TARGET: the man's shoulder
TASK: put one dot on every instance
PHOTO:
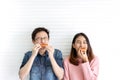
(57, 51)
(28, 53)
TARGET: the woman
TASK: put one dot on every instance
(81, 64)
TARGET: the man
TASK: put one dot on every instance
(43, 62)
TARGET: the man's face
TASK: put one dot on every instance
(41, 38)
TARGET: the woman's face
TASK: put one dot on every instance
(80, 43)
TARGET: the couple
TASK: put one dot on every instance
(46, 63)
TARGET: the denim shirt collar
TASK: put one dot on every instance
(45, 54)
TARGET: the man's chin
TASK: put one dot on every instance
(42, 49)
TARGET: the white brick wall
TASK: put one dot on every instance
(64, 18)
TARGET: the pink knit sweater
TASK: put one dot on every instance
(84, 71)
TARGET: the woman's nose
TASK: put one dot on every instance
(81, 44)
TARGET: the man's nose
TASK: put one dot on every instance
(42, 40)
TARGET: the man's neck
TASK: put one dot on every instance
(42, 52)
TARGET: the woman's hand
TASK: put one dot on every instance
(83, 55)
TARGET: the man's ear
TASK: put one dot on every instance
(33, 41)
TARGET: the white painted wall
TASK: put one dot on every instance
(64, 18)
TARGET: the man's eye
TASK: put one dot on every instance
(37, 39)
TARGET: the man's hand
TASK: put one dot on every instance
(50, 50)
(35, 49)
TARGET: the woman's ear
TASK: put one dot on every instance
(73, 45)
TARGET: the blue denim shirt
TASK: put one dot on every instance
(42, 68)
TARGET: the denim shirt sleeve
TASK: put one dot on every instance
(26, 58)
(58, 57)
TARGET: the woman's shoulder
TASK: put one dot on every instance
(66, 59)
(95, 59)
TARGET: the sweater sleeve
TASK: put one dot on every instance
(66, 72)
(90, 71)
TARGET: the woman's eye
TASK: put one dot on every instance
(85, 42)
(78, 42)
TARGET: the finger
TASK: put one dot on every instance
(36, 47)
